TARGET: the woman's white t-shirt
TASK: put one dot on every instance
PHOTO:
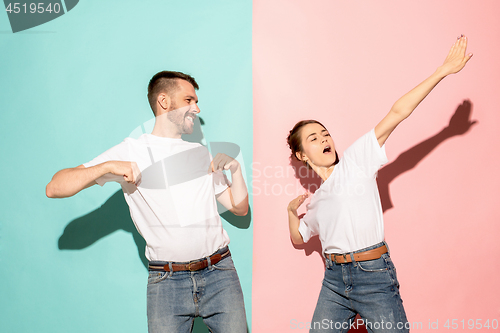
(346, 211)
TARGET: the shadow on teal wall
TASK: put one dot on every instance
(112, 216)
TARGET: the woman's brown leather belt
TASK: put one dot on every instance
(359, 256)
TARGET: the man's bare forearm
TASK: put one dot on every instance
(239, 193)
(69, 182)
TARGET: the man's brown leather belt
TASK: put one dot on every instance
(193, 265)
(360, 256)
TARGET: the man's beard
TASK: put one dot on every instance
(178, 118)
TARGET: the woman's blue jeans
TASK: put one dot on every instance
(214, 294)
(368, 288)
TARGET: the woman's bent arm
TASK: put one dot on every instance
(293, 218)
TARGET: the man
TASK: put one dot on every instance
(171, 186)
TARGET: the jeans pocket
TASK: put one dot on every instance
(157, 276)
(377, 265)
(225, 264)
(392, 270)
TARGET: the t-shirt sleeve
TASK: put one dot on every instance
(307, 228)
(305, 232)
(221, 182)
(366, 154)
(120, 152)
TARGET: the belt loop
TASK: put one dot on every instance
(388, 250)
(355, 264)
(170, 269)
(328, 260)
(209, 262)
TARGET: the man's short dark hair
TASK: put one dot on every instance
(166, 82)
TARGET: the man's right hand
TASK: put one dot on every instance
(129, 170)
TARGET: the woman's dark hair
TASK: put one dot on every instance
(294, 138)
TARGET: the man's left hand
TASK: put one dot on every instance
(223, 162)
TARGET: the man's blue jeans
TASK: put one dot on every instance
(369, 288)
(214, 294)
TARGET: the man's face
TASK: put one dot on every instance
(184, 107)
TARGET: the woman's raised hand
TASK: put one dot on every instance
(457, 57)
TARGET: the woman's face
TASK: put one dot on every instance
(317, 146)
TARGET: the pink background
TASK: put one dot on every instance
(345, 63)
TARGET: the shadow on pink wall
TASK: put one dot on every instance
(460, 123)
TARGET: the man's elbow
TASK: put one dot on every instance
(241, 208)
(244, 212)
(49, 191)
(240, 211)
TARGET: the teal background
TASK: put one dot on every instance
(74, 87)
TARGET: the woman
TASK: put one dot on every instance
(346, 213)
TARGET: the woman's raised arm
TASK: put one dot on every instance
(454, 62)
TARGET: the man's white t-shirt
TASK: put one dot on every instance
(346, 211)
(174, 207)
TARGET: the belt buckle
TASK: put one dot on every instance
(189, 266)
